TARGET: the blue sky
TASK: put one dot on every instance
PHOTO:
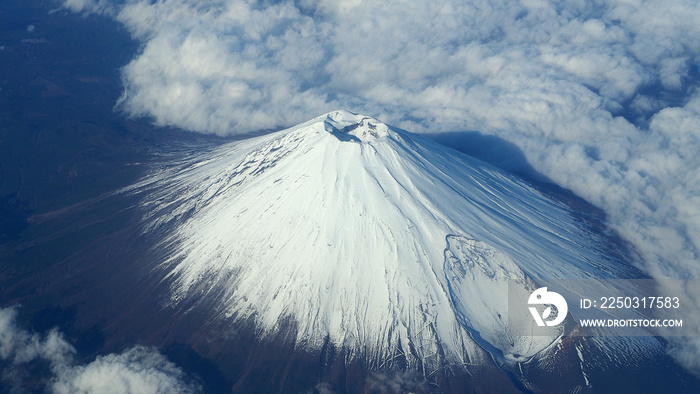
(601, 96)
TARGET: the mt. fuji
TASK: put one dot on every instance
(160, 231)
(349, 234)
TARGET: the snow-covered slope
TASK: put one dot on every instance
(366, 236)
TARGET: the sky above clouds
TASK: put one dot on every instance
(600, 95)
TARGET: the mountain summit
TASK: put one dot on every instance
(352, 233)
(364, 128)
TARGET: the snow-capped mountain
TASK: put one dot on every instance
(367, 237)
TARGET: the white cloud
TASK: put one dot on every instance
(229, 66)
(136, 370)
(18, 346)
(89, 6)
(554, 78)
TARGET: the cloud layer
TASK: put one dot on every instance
(601, 96)
(136, 370)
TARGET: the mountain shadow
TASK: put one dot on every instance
(490, 149)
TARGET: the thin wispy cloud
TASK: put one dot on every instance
(601, 96)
